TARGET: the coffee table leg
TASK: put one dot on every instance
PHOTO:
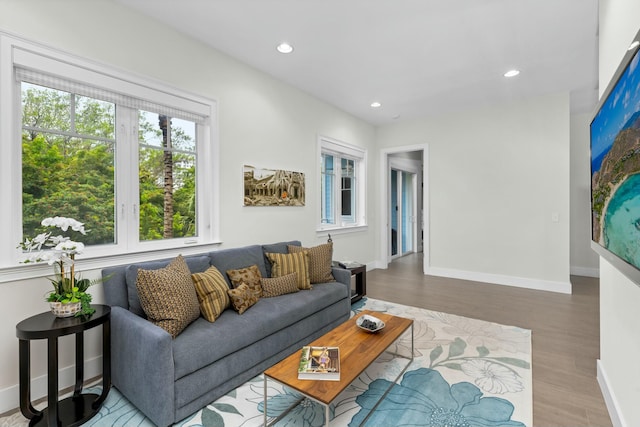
(264, 405)
(326, 415)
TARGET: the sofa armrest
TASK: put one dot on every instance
(142, 365)
(342, 275)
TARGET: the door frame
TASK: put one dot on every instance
(384, 231)
(402, 167)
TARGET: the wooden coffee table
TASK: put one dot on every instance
(358, 349)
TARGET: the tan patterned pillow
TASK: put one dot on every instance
(168, 296)
(250, 276)
(282, 264)
(287, 284)
(242, 298)
(319, 261)
(212, 293)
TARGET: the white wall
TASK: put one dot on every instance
(584, 261)
(618, 367)
(496, 176)
(262, 122)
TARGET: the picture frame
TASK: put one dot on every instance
(273, 187)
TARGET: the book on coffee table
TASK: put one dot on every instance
(319, 363)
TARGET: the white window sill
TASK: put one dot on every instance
(30, 271)
(337, 229)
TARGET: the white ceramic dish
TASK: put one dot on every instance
(379, 324)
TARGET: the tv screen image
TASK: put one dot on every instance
(615, 166)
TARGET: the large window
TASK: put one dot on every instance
(342, 185)
(132, 159)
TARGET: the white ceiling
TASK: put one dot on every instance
(416, 57)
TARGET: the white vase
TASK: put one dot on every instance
(65, 310)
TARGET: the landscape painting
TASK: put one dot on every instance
(615, 169)
(273, 187)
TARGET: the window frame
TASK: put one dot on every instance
(44, 60)
(342, 150)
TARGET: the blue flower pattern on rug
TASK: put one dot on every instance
(424, 398)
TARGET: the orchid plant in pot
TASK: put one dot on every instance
(69, 295)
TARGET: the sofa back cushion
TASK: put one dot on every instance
(237, 258)
(276, 248)
(196, 264)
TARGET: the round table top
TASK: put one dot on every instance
(46, 325)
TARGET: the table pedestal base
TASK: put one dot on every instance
(72, 411)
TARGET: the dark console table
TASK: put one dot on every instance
(78, 408)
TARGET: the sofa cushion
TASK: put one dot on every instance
(235, 258)
(276, 248)
(212, 293)
(272, 287)
(319, 261)
(168, 296)
(250, 276)
(242, 298)
(282, 264)
(196, 263)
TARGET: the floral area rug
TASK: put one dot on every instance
(465, 372)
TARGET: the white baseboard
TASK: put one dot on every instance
(497, 279)
(609, 397)
(585, 271)
(9, 397)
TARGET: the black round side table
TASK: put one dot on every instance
(78, 408)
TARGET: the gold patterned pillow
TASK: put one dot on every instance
(272, 287)
(250, 276)
(242, 298)
(319, 261)
(212, 293)
(168, 296)
(282, 264)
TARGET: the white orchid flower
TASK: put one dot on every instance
(64, 224)
(70, 247)
(56, 240)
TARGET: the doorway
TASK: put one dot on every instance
(404, 203)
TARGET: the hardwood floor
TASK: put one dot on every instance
(565, 332)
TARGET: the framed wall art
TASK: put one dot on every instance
(273, 187)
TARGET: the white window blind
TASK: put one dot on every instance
(67, 77)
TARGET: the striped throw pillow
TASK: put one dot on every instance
(283, 264)
(320, 256)
(212, 293)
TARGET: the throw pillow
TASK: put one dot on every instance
(319, 261)
(212, 293)
(283, 264)
(242, 298)
(168, 296)
(250, 276)
(272, 287)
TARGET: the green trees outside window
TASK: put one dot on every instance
(69, 167)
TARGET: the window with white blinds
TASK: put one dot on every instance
(134, 159)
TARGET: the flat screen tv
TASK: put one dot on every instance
(615, 169)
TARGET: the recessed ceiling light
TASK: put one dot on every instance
(512, 73)
(376, 104)
(285, 48)
(634, 45)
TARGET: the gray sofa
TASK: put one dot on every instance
(169, 379)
